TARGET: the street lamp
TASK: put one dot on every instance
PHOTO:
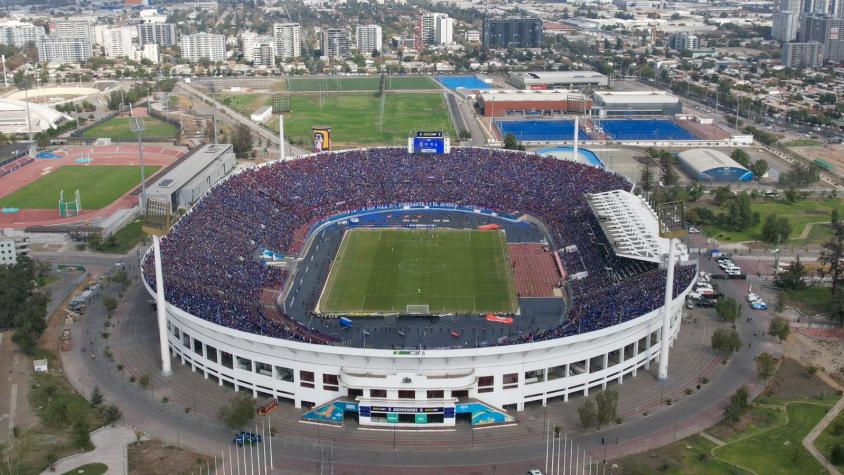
(136, 124)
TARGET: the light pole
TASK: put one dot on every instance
(136, 124)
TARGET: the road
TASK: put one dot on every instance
(300, 447)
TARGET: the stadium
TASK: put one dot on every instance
(400, 288)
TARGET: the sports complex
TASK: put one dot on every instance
(405, 289)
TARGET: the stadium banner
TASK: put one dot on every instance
(322, 138)
(429, 142)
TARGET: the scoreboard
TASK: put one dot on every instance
(429, 142)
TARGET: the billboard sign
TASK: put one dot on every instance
(321, 138)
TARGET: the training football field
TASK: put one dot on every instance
(450, 271)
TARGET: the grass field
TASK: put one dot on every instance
(98, 185)
(385, 270)
(831, 436)
(246, 104)
(799, 214)
(329, 83)
(355, 118)
(118, 129)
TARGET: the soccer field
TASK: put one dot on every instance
(330, 83)
(118, 129)
(355, 118)
(449, 271)
(98, 185)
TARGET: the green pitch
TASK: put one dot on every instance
(355, 119)
(98, 185)
(118, 129)
(331, 83)
(450, 271)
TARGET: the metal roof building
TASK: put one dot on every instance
(712, 165)
(541, 80)
(629, 103)
(194, 175)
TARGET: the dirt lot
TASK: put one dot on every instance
(792, 382)
(832, 153)
(151, 457)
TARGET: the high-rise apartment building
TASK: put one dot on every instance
(65, 50)
(288, 40)
(685, 41)
(434, 29)
(826, 30)
(512, 32)
(336, 43)
(18, 34)
(200, 46)
(802, 55)
(785, 26)
(368, 39)
(162, 34)
(117, 41)
(70, 28)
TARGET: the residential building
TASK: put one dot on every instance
(162, 34)
(444, 31)
(826, 30)
(117, 41)
(64, 50)
(685, 41)
(8, 255)
(73, 28)
(472, 36)
(368, 39)
(288, 40)
(16, 33)
(785, 24)
(151, 15)
(336, 43)
(512, 32)
(434, 29)
(148, 51)
(260, 50)
(802, 55)
(200, 46)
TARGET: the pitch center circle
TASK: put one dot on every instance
(421, 266)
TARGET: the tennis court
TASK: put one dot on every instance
(465, 82)
(644, 129)
(540, 130)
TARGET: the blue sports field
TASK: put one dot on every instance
(540, 130)
(584, 155)
(615, 129)
(650, 129)
(466, 82)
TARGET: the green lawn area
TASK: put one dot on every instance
(411, 82)
(118, 129)
(810, 300)
(354, 118)
(803, 143)
(798, 214)
(833, 434)
(687, 457)
(98, 185)
(779, 450)
(246, 104)
(88, 469)
(461, 271)
(123, 240)
(757, 419)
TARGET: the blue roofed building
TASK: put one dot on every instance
(705, 164)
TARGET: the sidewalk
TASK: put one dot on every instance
(809, 440)
(109, 448)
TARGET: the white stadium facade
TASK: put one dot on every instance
(13, 114)
(437, 382)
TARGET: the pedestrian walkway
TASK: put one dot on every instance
(809, 440)
(109, 449)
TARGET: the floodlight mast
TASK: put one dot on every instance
(136, 124)
(671, 226)
(157, 220)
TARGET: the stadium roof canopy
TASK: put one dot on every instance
(630, 224)
(706, 164)
(13, 117)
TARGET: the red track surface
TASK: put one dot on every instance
(108, 155)
(534, 269)
(704, 131)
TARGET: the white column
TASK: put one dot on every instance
(576, 137)
(665, 338)
(281, 136)
(166, 370)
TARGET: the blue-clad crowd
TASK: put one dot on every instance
(210, 257)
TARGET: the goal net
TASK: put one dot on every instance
(418, 310)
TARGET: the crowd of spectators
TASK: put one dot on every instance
(210, 257)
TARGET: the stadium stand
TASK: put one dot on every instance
(210, 257)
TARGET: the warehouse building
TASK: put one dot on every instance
(508, 103)
(193, 176)
(635, 103)
(545, 80)
(705, 164)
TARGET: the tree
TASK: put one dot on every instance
(239, 411)
(740, 215)
(110, 304)
(81, 436)
(96, 397)
(738, 405)
(606, 402)
(836, 455)
(759, 168)
(792, 277)
(832, 251)
(646, 177)
(741, 157)
(728, 309)
(726, 341)
(765, 366)
(779, 327)
(242, 141)
(722, 195)
(95, 240)
(112, 414)
(144, 381)
(511, 143)
(666, 168)
(775, 229)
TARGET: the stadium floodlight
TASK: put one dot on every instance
(157, 221)
(136, 124)
(671, 226)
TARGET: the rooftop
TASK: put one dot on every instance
(630, 224)
(189, 167)
(620, 97)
